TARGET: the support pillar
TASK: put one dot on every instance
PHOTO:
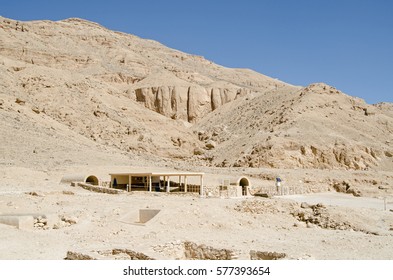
(168, 185)
(129, 183)
(185, 184)
(149, 178)
(201, 191)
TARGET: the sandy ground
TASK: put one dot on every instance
(361, 229)
(344, 200)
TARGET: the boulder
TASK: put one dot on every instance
(211, 144)
(198, 151)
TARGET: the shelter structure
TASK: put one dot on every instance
(243, 183)
(235, 187)
(158, 181)
(89, 179)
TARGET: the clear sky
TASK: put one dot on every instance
(347, 44)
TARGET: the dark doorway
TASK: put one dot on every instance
(244, 183)
(92, 180)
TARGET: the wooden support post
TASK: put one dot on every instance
(185, 183)
(168, 185)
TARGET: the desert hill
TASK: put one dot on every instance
(99, 83)
(138, 97)
(313, 127)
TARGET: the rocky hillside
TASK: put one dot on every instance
(74, 84)
(313, 127)
(85, 56)
(98, 83)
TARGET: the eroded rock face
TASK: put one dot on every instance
(295, 154)
(166, 100)
(186, 103)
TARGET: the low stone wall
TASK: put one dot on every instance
(180, 250)
(119, 254)
(98, 189)
(286, 190)
(77, 256)
(106, 184)
(223, 191)
(194, 251)
(186, 250)
(132, 254)
(259, 255)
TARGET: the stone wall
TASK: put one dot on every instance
(114, 254)
(186, 250)
(132, 254)
(223, 191)
(194, 251)
(259, 255)
(77, 256)
(98, 188)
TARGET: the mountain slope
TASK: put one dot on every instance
(121, 63)
(313, 127)
(98, 83)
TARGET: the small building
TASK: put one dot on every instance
(157, 181)
(242, 186)
(89, 179)
(234, 187)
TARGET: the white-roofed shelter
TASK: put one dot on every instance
(158, 181)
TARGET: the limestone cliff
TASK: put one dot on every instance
(189, 103)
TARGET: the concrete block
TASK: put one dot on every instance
(18, 221)
(146, 215)
(26, 222)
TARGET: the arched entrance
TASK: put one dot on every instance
(81, 178)
(93, 180)
(244, 183)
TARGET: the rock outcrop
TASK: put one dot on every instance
(172, 97)
(186, 103)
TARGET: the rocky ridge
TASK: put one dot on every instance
(120, 63)
(313, 127)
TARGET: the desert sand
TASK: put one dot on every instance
(76, 97)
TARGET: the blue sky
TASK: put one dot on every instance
(347, 44)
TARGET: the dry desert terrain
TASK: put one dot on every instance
(77, 98)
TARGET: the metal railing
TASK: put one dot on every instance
(283, 190)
